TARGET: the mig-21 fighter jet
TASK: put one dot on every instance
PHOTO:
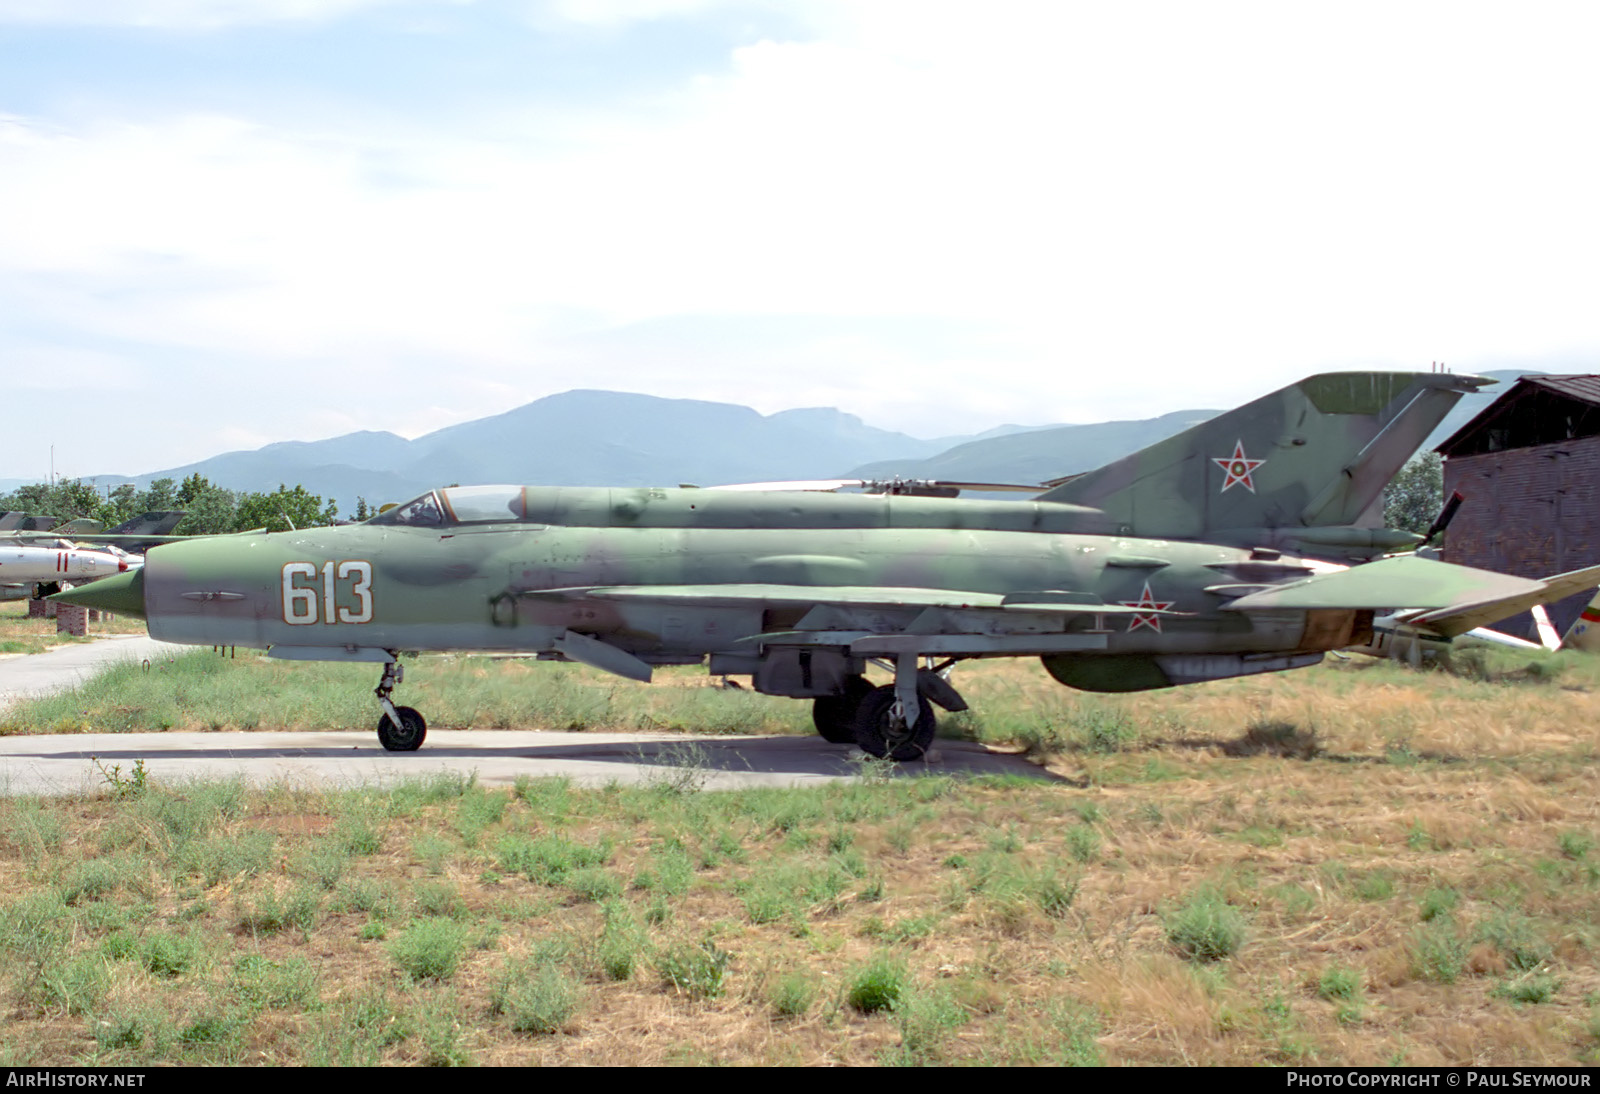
(1223, 551)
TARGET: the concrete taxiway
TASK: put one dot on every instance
(43, 673)
(79, 763)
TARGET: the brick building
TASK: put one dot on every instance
(1528, 467)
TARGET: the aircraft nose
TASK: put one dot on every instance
(121, 593)
(122, 565)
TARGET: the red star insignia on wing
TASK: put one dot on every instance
(1238, 466)
(1147, 601)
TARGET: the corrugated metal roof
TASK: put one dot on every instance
(1585, 387)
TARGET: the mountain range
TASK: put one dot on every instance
(592, 438)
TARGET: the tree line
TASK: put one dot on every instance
(1411, 502)
(211, 509)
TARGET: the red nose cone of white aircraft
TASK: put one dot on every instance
(122, 565)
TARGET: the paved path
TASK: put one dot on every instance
(63, 764)
(67, 764)
(42, 673)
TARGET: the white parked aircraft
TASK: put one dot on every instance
(23, 567)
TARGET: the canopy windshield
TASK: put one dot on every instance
(477, 504)
(420, 512)
(458, 505)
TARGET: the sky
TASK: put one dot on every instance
(225, 223)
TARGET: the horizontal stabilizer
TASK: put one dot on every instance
(1408, 582)
(1450, 622)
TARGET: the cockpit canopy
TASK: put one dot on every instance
(458, 505)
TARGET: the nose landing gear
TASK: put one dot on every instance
(400, 729)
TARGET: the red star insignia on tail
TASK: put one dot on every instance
(1238, 466)
(1146, 601)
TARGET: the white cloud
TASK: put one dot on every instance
(1150, 208)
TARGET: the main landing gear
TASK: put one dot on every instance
(400, 729)
(884, 728)
(895, 720)
(835, 715)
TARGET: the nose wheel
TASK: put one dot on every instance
(400, 729)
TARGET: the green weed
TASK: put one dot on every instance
(618, 950)
(1205, 928)
(1063, 1036)
(695, 969)
(1531, 987)
(792, 994)
(1339, 982)
(439, 898)
(224, 858)
(925, 1019)
(78, 985)
(1439, 903)
(271, 913)
(257, 982)
(593, 884)
(877, 985)
(1575, 845)
(131, 785)
(1517, 939)
(1103, 729)
(547, 859)
(429, 949)
(169, 955)
(1083, 842)
(1437, 952)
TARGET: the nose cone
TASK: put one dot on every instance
(122, 594)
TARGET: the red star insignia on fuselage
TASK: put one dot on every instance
(1147, 601)
(1238, 466)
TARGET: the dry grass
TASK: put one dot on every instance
(1412, 857)
(1330, 863)
(21, 635)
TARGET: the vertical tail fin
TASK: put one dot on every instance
(1312, 455)
(1585, 632)
(157, 523)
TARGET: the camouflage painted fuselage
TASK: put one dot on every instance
(1186, 561)
(519, 585)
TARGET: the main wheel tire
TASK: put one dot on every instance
(407, 736)
(879, 733)
(835, 715)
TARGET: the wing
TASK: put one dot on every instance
(880, 620)
(1438, 597)
(1453, 621)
